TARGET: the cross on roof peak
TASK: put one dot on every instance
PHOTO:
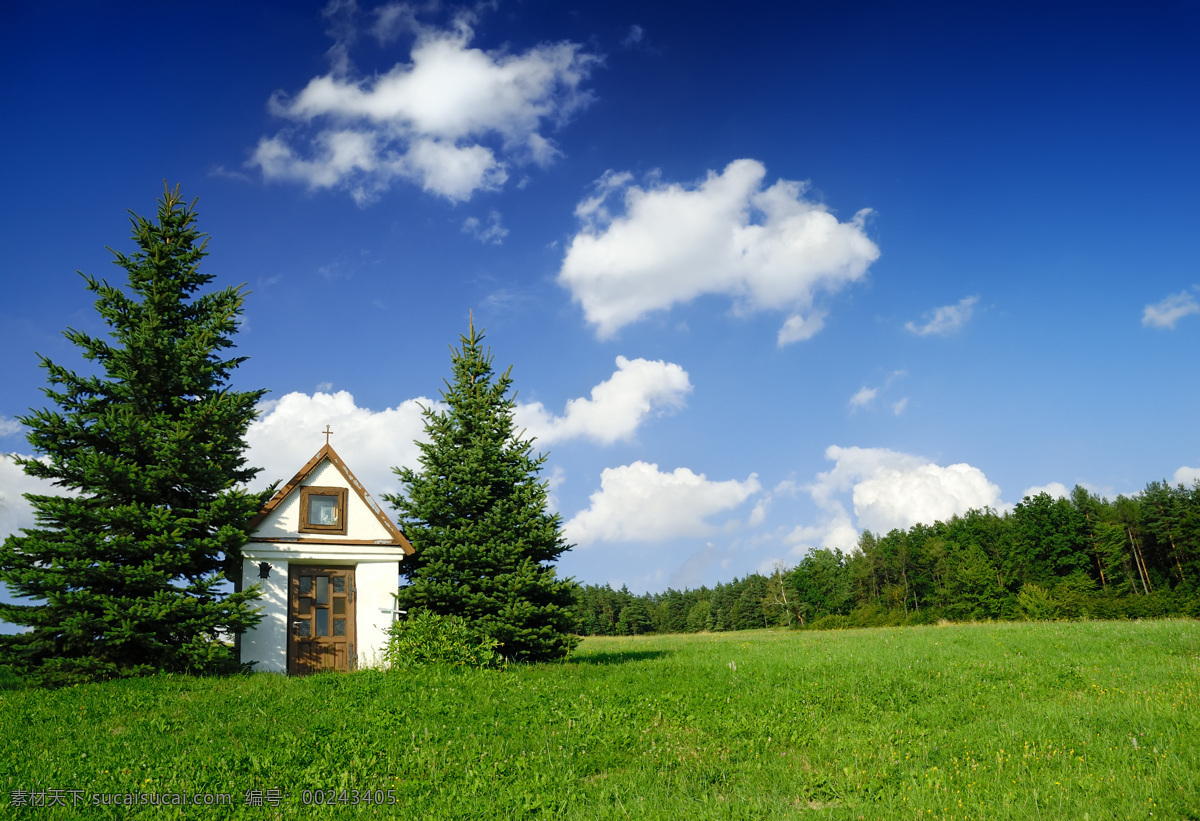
(327, 432)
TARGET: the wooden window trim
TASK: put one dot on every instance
(339, 492)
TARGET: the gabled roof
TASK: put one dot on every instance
(328, 453)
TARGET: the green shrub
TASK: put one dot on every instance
(875, 615)
(924, 616)
(9, 680)
(1036, 602)
(830, 622)
(1074, 594)
(426, 637)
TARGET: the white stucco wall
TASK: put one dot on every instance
(376, 577)
(377, 583)
(266, 644)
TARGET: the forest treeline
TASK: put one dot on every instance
(1076, 557)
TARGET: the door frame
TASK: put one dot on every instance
(306, 651)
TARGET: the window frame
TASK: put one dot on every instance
(312, 490)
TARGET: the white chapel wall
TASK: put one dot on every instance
(377, 583)
(266, 644)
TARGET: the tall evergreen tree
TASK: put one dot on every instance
(476, 514)
(125, 571)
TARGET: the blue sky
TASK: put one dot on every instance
(766, 276)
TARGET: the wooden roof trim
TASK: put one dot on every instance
(327, 452)
(293, 540)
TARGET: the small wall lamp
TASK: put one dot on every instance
(264, 570)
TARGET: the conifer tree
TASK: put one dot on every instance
(476, 514)
(124, 572)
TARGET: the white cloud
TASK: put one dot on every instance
(864, 397)
(1166, 313)
(617, 407)
(945, 320)
(759, 514)
(452, 171)
(797, 328)
(8, 427)
(1186, 476)
(493, 232)
(451, 120)
(766, 248)
(639, 503)
(15, 512)
(788, 487)
(1057, 490)
(554, 479)
(890, 489)
(371, 442)
(927, 493)
(835, 532)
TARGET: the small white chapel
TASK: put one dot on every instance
(328, 561)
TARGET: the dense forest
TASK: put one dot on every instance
(1076, 557)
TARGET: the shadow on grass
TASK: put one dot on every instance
(620, 658)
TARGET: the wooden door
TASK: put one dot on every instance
(322, 626)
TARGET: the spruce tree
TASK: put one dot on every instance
(124, 572)
(476, 514)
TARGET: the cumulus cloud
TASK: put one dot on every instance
(902, 497)
(1166, 313)
(288, 433)
(452, 119)
(887, 489)
(638, 389)
(836, 532)
(1056, 490)
(766, 248)
(493, 233)
(945, 320)
(899, 406)
(15, 512)
(1186, 476)
(640, 503)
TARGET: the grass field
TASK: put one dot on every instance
(1053, 720)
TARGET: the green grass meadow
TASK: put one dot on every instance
(1084, 720)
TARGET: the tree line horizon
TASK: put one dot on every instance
(1080, 556)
